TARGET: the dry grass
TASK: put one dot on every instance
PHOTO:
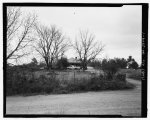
(66, 75)
(131, 73)
(62, 82)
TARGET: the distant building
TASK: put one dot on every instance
(130, 61)
(74, 61)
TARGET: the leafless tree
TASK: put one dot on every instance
(50, 44)
(87, 48)
(19, 31)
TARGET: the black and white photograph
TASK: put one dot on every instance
(75, 59)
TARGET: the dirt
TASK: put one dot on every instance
(119, 102)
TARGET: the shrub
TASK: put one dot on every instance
(19, 83)
(75, 85)
(62, 63)
(102, 83)
(120, 77)
(110, 68)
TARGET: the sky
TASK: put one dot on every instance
(118, 28)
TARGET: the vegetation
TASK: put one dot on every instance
(87, 48)
(23, 82)
(51, 44)
(131, 73)
(132, 64)
(121, 63)
(19, 31)
(110, 67)
(97, 64)
(62, 63)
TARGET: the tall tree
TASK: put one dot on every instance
(87, 48)
(19, 30)
(51, 43)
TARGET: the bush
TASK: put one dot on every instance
(96, 83)
(110, 68)
(20, 83)
(62, 63)
(102, 83)
(120, 77)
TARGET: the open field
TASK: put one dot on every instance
(122, 102)
(79, 74)
(131, 73)
(68, 74)
(63, 81)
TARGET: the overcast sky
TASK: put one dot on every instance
(119, 28)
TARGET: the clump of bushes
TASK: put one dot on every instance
(20, 83)
(102, 83)
(62, 63)
(110, 67)
(96, 83)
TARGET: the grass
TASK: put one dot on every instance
(65, 74)
(131, 73)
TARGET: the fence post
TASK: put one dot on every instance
(74, 76)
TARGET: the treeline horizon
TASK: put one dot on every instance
(63, 63)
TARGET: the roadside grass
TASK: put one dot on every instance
(27, 83)
(131, 73)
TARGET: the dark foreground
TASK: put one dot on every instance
(119, 102)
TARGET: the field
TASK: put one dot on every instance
(131, 73)
(79, 74)
(64, 81)
(68, 74)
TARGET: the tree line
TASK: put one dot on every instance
(116, 63)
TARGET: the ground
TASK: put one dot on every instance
(117, 102)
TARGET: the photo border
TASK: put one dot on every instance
(144, 34)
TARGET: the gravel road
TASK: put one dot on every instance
(117, 102)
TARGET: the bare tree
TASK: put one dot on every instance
(51, 44)
(19, 31)
(87, 48)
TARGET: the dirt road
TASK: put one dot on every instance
(122, 102)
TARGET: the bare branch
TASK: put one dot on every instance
(86, 48)
(50, 43)
(18, 31)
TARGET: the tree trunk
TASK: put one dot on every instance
(84, 65)
(47, 63)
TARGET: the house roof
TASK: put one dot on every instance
(73, 60)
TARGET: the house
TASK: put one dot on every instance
(74, 63)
